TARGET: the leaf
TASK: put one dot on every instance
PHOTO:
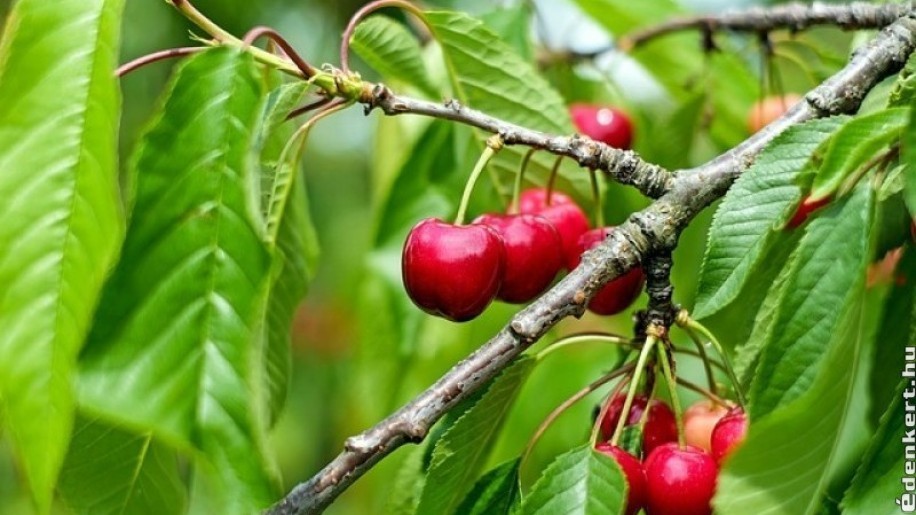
(909, 161)
(828, 266)
(496, 493)
(110, 470)
(174, 344)
(579, 482)
(61, 212)
(854, 145)
(389, 48)
(489, 76)
(408, 484)
(757, 206)
(296, 251)
(904, 89)
(512, 25)
(878, 481)
(464, 447)
(782, 466)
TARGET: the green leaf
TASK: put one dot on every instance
(757, 206)
(828, 266)
(62, 217)
(389, 48)
(854, 145)
(496, 493)
(296, 253)
(904, 89)
(579, 482)
(783, 465)
(513, 25)
(488, 75)
(909, 161)
(408, 483)
(877, 482)
(110, 470)
(464, 447)
(174, 347)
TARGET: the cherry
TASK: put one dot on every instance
(680, 481)
(699, 420)
(806, 207)
(768, 109)
(634, 473)
(729, 434)
(605, 124)
(533, 254)
(450, 270)
(618, 294)
(565, 215)
(660, 425)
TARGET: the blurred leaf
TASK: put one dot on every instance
(389, 48)
(110, 470)
(757, 206)
(783, 464)
(513, 25)
(464, 447)
(489, 76)
(904, 89)
(408, 484)
(62, 218)
(296, 253)
(674, 137)
(877, 483)
(496, 493)
(828, 269)
(179, 315)
(853, 145)
(579, 482)
(909, 160)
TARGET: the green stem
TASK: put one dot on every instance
(704, 392)
(693, 325)
(672, 391)
(517, 187)
(488, 152)
(596, 426)
(596, 194)
(576, 339)
(551, 181)
(707, 366)
(634, 384)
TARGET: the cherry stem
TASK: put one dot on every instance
(692, 325)
(551, 181)
(645, 413)
(576, 339)
(494, 144)
(517, 187)
(691, 352)
(365, 11)
(321, 102)
(672, 392)
(576, 397)
(307, 70)
(634, 385)
(707, 366)
(156, 57)
(596, 427)
(596, 194)
(704, 392)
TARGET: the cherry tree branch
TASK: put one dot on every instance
(652, 230)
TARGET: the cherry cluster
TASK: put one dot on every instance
(455, 271)
(673, 478)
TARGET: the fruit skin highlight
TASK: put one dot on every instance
(618, 294)
(533, 254)
(452, 271)
(606, 124)
(634, 473)
(680, 481)
(563, 213)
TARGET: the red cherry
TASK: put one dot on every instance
(632, 470)
(605, 124)
(807, 207)
(660, 428)
(450, 270)
(729, 434)
(618, 294)
(699, 421)
(565, 215)
(533, 254)
(768, 109)
(680, 481)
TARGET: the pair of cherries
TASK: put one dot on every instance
(673, 479)
(455, 271)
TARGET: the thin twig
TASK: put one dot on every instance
(171, 53)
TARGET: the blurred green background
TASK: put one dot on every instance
(360, 350)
